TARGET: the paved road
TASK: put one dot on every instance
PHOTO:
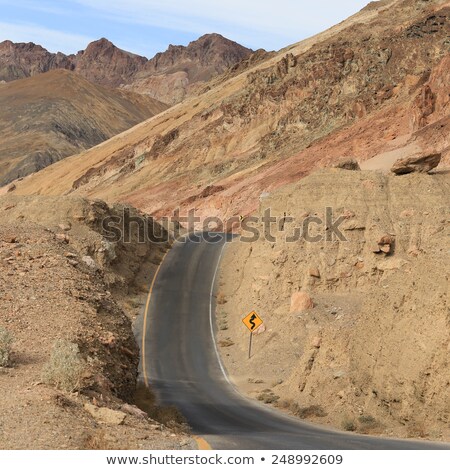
(181, 364)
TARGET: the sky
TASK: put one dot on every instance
(146, 27)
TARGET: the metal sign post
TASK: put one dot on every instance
(252, 321)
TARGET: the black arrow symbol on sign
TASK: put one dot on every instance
(252, 321)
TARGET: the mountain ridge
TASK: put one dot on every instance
(105, 64)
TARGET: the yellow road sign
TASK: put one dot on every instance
(252, 321)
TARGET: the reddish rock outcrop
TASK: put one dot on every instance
(416, 164)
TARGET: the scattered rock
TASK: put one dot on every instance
(384, 244)
(89, 262)
(385, 248)
(65, 226)
(386, 240)
(62, 237)
(314, 272)
(301, 301)
(105, 415)
(337, 374)
(316, 342)
(134, 411)
(416, 164)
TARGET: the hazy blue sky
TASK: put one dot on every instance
(149, 26)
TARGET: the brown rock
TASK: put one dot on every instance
(105, 415)
(375, 248)
(134, 411)
(314, 272)
(89, 261)
(65, 227)
(385, 248)
(301, 301)
(386, 240)
(416, 164)
(62, 237)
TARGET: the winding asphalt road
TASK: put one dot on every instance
(180, 361)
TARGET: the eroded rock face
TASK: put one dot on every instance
(416, 164)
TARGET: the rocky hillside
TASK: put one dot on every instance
(371, 88)
(356, 330)
(167, 77)
(68, 298)
(52, 115)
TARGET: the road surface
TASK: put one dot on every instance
(181, 364)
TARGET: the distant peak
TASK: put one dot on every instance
(100, 43)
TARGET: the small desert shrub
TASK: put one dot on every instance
(5, 347)
(313, 411)
(416, 430)
(368, 423)
(267, 396)
(65, 366)
(169, 416)
(348, 424)
(97, 441)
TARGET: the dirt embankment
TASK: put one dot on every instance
(67, 299)
(356, 332)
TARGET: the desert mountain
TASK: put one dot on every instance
(170, 75)
(105, 64)
(166, 77)
(371, 88)
(52, 115)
